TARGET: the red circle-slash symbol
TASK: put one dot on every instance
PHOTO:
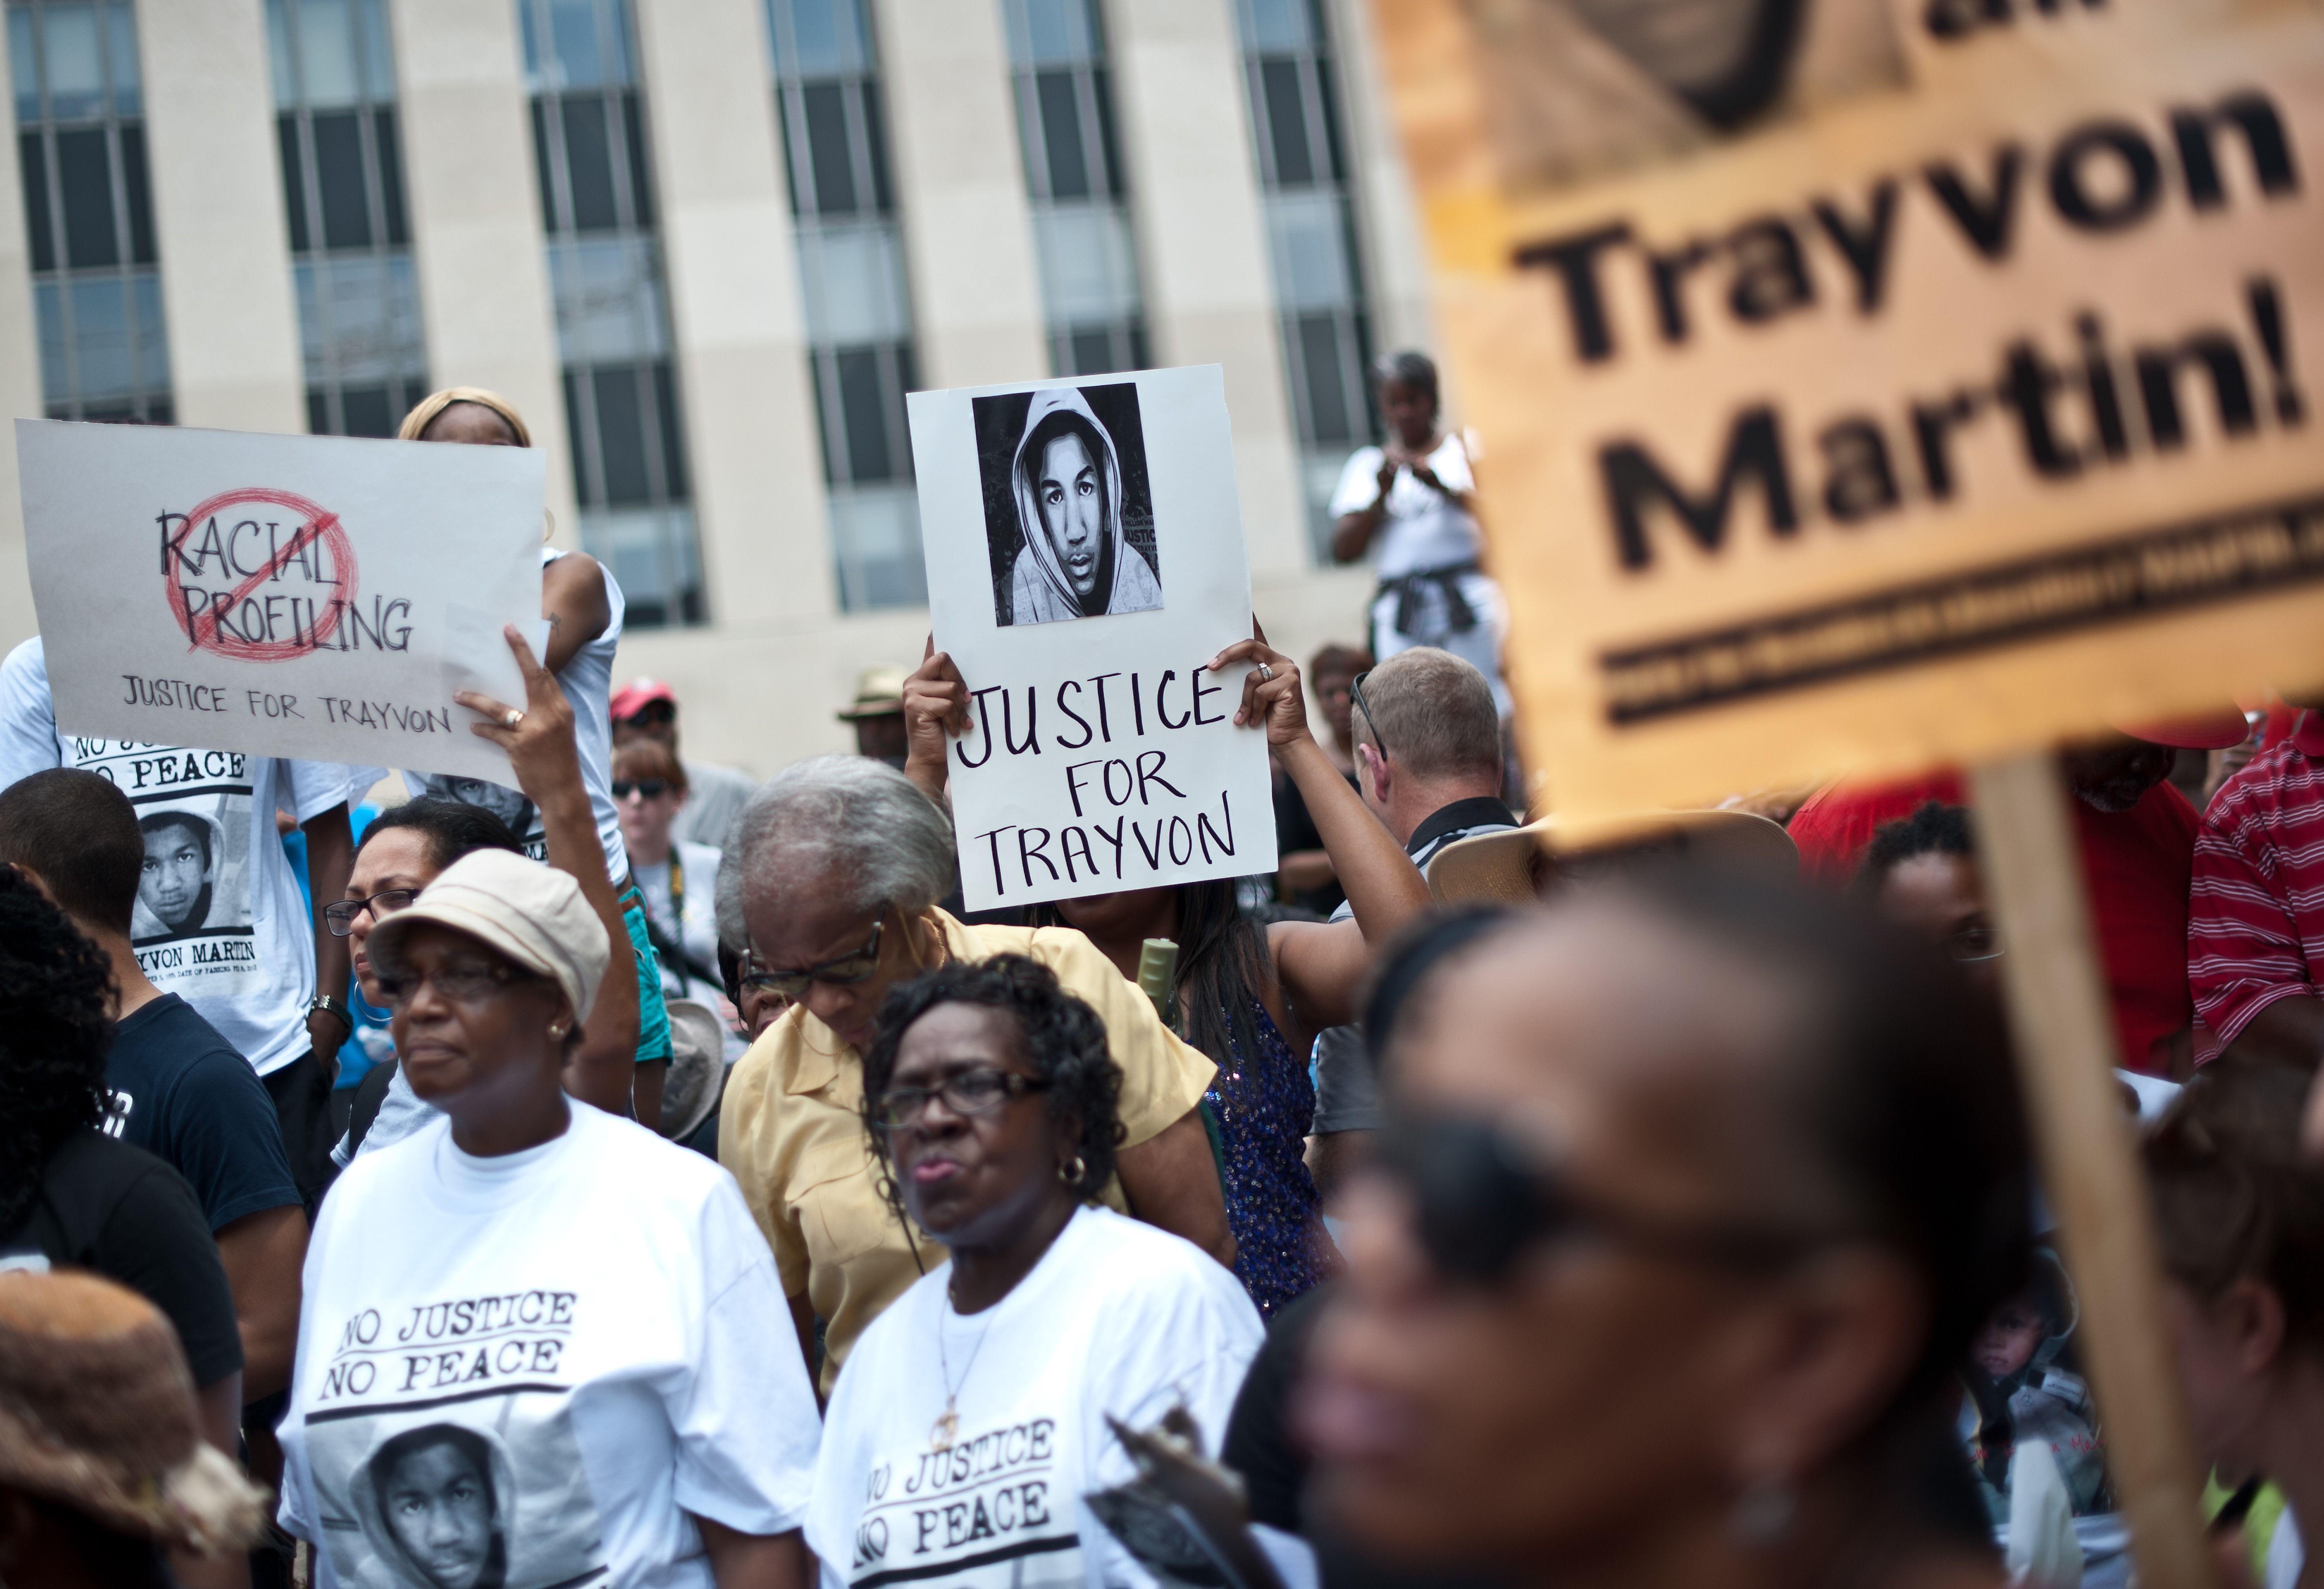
(319, 532)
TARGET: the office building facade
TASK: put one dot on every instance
(706, 246)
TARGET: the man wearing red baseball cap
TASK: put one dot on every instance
(2137, 840)
(647, 708)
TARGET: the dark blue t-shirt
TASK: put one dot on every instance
(184, 1095)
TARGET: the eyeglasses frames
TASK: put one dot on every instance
(341, 915)
(1356, 693)
(652, 789)
(840, 971)
(971, 1093)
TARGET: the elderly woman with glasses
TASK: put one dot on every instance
(841, 861)
(971, 1422)
(537, 1345)
(1698, 1193)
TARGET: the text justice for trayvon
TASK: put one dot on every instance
(2091, 407)
(1122, 786)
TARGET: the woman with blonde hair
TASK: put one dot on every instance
(583, 607)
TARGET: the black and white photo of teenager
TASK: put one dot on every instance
(1062, 530)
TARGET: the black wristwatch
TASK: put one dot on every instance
(336, 1006)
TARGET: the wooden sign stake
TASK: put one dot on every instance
(2065, 1043)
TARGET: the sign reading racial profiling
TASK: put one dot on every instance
(1085, 559)
(1847, 412)
(309, 596)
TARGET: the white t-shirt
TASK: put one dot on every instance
(1118, 1318)
(529, 1369)
(1425, 528)
(587, 681)
(219, 920)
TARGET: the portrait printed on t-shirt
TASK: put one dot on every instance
(193, 814)
(1068, 509)
(481, 1493)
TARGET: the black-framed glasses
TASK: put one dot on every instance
(462, 983)
(970, 1093)
(1972, 945)
(1482, 1200)
(1356, 694)
(340, 915)
(840, 971)
(652, 789)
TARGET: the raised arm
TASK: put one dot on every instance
(541, 749)
(573, 600)
(1351, 534)
(330, 857)
(1322, 965)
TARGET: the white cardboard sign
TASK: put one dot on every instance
(1085, 559)
(312, 596)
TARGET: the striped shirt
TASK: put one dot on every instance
(2256, 920)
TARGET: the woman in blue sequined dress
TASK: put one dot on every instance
(1251, 997)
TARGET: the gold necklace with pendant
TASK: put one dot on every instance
(946, 1429)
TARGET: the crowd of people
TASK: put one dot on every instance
(645, 1175)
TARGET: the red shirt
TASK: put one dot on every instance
(2137, 864)
(2257, 925)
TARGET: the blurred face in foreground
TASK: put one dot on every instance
(1609, 1396)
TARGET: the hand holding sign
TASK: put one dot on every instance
(1086, 573)
(1271, 695)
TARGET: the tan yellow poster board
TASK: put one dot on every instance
(1936, 415)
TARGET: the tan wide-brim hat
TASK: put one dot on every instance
(878, 693)
(1497, 868)
(697, 1067)
(97, 1414)
(533, 914)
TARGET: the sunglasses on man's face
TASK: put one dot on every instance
(1482, 1200)
(652, 788)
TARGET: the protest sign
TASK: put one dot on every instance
(1918, 382)
(312, 596)
(1928, 426)
(1085, 559)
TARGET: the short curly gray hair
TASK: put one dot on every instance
(851, 818)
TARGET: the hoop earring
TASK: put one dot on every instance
(1073, 1170)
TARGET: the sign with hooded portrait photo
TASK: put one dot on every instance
(1085, 559)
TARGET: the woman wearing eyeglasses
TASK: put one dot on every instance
(407, 846)
(970, 1422)
(678, 878)
(841, 862)
(1253, 998)
(536, 1343)
(1696, 1193)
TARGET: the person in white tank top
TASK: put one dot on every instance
(584, 609)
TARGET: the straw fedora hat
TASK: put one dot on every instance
(1499, 868)
(697, 1067)
(97, 1414)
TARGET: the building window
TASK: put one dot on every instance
(859, 318)
(88, 216)
(1074, 177)
(343, 192)
(1319, 287)
(613, 321)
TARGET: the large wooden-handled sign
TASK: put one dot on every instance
(287, 595)
(1932, 425)
(1874, 383)
(1086, 560)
